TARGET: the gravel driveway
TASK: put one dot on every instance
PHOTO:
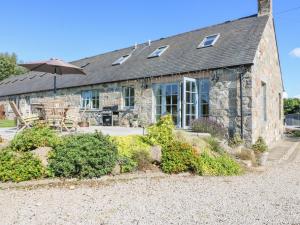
(271, 197)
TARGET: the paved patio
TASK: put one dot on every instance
(9, 133)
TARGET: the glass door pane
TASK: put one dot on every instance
(190, 101)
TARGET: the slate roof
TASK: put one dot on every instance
(237, 45)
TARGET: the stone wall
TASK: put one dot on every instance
(267, 69)
(224, 100)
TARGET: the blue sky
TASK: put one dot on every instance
(71, 30)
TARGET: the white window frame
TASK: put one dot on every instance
(154, 53)
(205, 39)
(90, 98)
(163, 104)
(121, 60)
(130, 98)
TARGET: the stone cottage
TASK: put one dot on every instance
(229, 72)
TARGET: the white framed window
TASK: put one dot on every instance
(209, 41)
(167, 101)
(128, 95)
(90, 99)
(159, 51)
(204, 88)
(121, 60)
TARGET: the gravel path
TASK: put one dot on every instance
(271, 197)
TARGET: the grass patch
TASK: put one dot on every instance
(7, 123)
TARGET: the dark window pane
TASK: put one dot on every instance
(188, 86)
(126, 92)
(193, 87)
(188, 109)
(193, 109)
(131, 91)
(174, 119)
(168, 109)
(126, 102)
(168, 100)
(174, 99)
(131, 101)
(188, 121)
(205, 110)
(174, 109)
(188, 97)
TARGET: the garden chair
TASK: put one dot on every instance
(23, 122)
(69, 123)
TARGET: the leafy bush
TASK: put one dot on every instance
(214, 145)
(134, 152)
(161, 133)
(143, 159)
(206, 125)
(236, 141)
(260, 146)
(19, 167)
(296, 133)
(37, 136)
(222, 165)
(86, 155)
(127, 145)
(127, 164)
(199, 143)
(178, 157)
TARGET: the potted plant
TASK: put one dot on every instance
(236, 142)
(261, 151)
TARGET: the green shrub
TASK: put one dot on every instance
(206, 125)
(127, 164)
(127, 145)
(235, 141)
(84, 156)
(260, 146)
(178, 157)
(214, 145)
(296, 133)
(143, 159)
(37, 136)
(199, 143)
(19, 167)
(222, 165)
(161, 133)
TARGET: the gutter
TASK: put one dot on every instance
(131, 79)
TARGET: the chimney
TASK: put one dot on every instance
(265, 7)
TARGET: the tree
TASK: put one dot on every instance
(291, 106)
(8, 66)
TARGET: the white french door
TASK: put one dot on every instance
(189, 101)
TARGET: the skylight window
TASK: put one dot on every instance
(121, 60)
(159, 51)
(209, 41)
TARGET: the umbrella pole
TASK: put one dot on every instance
(54, 82)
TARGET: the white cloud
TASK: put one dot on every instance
(295, 52)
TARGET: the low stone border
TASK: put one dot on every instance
(73, 183)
